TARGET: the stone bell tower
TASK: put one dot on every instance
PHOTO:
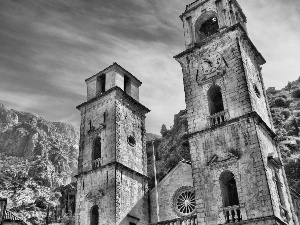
(112, 164)
(237, 170)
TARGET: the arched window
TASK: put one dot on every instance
(215, 101)
(206, 25)
(97, 148)
(210, 27)
(100, 85)
(95, 215)
(228, 189)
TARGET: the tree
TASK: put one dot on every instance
(163, 130)
(289, 86)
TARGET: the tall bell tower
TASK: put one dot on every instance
(112, 180)
(237, 171)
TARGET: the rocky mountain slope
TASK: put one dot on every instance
(171, 148)
(285, 110)
(36, 156)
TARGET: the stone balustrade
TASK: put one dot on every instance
(96, 163)
(234, 214)
(191, 220)
(218, 118)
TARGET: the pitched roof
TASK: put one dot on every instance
(115, 66)
(170, 171)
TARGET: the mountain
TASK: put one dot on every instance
(285, 109)
(169, 149)
(36, 156)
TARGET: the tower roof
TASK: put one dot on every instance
(117, 67)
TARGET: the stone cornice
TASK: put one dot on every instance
(252, 114)
(117, 165)
(208, 40)
(118, 89)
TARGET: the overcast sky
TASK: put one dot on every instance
(49, 47)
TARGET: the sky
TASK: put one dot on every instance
(49, 47)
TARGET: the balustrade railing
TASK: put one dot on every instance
(191, 220)
(233, 214)
(96, 163)
(218, 118)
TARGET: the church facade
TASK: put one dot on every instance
(235, 174)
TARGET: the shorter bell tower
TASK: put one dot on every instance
(112, 164)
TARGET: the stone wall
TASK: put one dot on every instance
(130, 121)
(238, 151)
(178, 177)
(131, 197)
(97, 187)
(101, 113)
(268, 147)
(233, 84)
(255, 81)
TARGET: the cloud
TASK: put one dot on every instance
(48, 49)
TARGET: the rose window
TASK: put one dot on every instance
(184, 201)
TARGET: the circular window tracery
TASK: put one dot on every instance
(184, 202)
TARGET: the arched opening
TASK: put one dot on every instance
(100, 86)
(215, 100)
(228, 189)
(210, 27)
(127, 85)
(97, 148)
(95, 215)
(206, 25)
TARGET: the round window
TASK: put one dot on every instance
(131, 140)
(184, 202)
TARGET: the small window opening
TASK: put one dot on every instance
(126, 84)
(95, 215)
(132, 223)
(279, 189)
(215, 100)
(91, 125)
(97, 148)
(257, 92)
(280, 194)
(104, 116)
(131, 141)
(210, 27)
(101, 84)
